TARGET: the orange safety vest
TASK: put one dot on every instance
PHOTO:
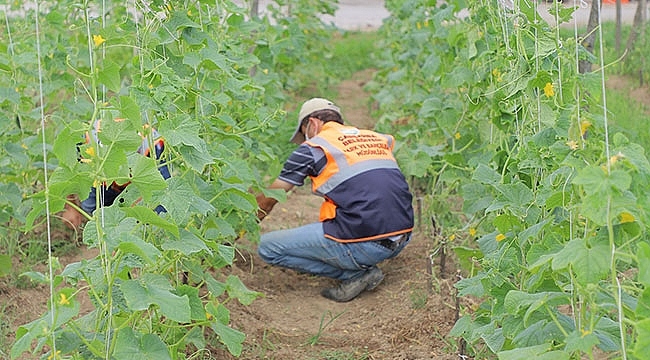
(366, 195)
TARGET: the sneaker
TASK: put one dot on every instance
(349, 289)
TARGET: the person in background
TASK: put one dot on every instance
(74, 219)
(367, 213)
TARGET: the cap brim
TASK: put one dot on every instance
(298, 137)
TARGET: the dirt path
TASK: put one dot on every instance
(407, 317)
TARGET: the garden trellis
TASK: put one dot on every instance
(506, 120)
(184, 69)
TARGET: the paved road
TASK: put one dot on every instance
(369, 14)
(581, 15)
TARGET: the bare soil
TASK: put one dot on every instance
(407, 317)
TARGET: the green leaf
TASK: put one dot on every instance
(154, 289)
(196, 156)
(129, 109)
(217, 288)
(233, 339)
(179, 20)
(579, 342)
(181, 201)
(464, 325)
(471, 286)
(145, 175)
(240, 200)
(182, 130)
(137, 246)
(642, 346)
(516, 194)
(516, 300)
(42, 327)
(506, 223)
(589, 264)
(122, 135)
(492, 335)
(187, 244)
(148, 216)
(237, 289)
(643, 261)
(596, 181)
(430, 107)
(486, 175)
(414, 164)
(533, 231)
(9, 94)
(131, 345)
(65, 143)
(467, 257)
(196, 305)
(538, 352)
(27, 333)
(643, 305)
(109, 75)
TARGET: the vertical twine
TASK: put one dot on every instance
(45, 176)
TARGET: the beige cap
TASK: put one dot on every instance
(310, 106)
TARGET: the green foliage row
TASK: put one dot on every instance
(552, 227)
(213, 81)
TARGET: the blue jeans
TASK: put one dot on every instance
(306, 249)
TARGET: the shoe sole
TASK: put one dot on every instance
(373, 284)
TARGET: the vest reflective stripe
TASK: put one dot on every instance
(377, 202)
(350, 151)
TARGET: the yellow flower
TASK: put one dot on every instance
(63, 299)
(56, 355)
(549, 90)
(573, 145)
(265, 71)
(98, 40)
(472, 232)
(626, 217)
(500, 237)
(417, 24)
(615, 158)
(426, 23)
(452, 237)
(584, 126)
(584, 332)
(457, 135)
(497, 74)
(90, 151)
